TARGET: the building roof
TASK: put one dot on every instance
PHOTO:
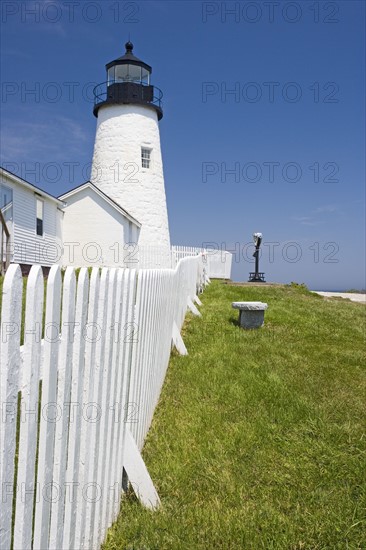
(30, 186)
(114, 204)
(60, 201)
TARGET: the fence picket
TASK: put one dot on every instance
(94, 428)
(63, 403)
(145, 359)
(128, 336)
(25, 487)
(104, 449)
(114, 404)
(77, 383)
(48, 408)
(140, 320)
(11, 313)
(89, 369)
(113, 411)
(92, 473)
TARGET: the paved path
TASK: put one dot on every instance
(361, 298)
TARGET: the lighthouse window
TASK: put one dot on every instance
(39, 223)
(145, 157)
(145, 76)
(111, 76)
(128, 73)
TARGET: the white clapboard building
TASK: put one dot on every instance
(33, 220)
(84, 227)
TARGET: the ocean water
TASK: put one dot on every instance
(337, 290)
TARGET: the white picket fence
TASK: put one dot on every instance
(92, 366)
(179, 252)
(148, 257)
(217, 262)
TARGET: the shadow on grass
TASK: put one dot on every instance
(234, 321)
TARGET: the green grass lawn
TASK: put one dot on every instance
(258, 440)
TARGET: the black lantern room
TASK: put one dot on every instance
(128, 82)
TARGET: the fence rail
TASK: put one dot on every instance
(217, 262)
(89, 360)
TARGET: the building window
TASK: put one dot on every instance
(39, 223)
(145, 157)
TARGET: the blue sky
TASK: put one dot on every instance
(291, 131)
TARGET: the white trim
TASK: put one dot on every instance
(27, 185)
(94, 188)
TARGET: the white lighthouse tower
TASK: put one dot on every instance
(127, 162)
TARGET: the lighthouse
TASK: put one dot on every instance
(127, 162)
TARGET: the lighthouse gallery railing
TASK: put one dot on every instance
(101, 92)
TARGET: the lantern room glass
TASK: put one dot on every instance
(128, 73)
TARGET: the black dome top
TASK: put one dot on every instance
(129, 47)
(129, 58)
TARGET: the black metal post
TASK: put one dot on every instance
(256, 254)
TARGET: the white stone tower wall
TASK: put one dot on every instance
(122, 130)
